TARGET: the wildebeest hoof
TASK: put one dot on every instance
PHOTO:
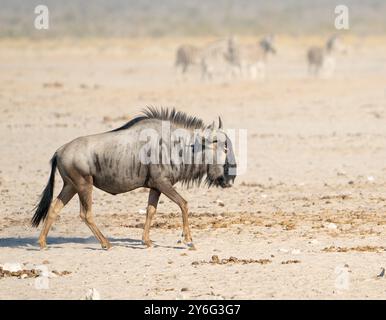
(190, 245)
(43, 245)
(147, 243)
(106, 246)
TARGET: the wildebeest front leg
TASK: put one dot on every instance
(85, 197)
(173, 195)
(150, 212)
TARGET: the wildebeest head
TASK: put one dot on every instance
(222, 169)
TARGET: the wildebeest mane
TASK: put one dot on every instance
(166, 114)
(130, 123)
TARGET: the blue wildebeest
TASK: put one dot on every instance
(155, 150)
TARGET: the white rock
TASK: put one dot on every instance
(220, 202)
(314, 241)
(295, 251)
(142, 211)
(92, 294)
(283, 250)
(370, 178)
(12, 267)
(264, 196)
(332, 226)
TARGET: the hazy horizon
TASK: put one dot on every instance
(188, 18)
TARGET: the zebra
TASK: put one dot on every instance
(187, 55)
(204, 57)
(250, 60)
(322, 58)
(214, 61)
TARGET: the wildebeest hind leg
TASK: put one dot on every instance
(85, 197)
(63, 198)
(173, 195)
(150, 212)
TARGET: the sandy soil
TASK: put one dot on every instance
(310, 207)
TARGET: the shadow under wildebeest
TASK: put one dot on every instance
(30, 243)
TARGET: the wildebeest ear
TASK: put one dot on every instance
(219, 123)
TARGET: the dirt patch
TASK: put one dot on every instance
(55, 84)
(290, 262)
(354, 249)
(28, 273)
(231, 260)
(21, 274)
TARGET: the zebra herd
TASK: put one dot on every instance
(228, 58)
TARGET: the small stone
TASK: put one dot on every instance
(215, 259)
(220, 203)
(382, 274)
(332, 226)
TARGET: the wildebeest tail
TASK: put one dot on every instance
(46, 197)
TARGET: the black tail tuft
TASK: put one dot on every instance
(46, 197)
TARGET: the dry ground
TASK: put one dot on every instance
(316, 160)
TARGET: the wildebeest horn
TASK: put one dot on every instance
(211, 127)
(219, 123)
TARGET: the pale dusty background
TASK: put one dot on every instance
(316, 157)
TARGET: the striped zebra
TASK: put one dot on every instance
(322, 58)
(186, 56)
(205, 57)
(250, 60)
